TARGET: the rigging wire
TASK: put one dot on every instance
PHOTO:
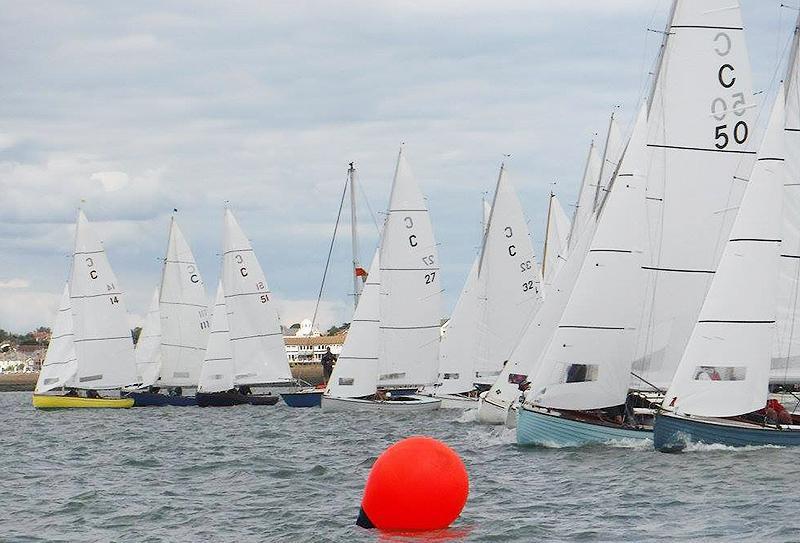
(330, 252)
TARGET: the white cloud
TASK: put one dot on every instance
(111, 181)
(15, 283)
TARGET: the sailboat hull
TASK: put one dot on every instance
(456, 401)
(148, 399)
(304, 398)
(220, 399)
(538, 427)
(491, 413)
(673, 433)
(401, 404)
(46, 401)
(262, 399)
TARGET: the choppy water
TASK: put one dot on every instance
(279, 474)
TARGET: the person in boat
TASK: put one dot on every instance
(245, 389)
(72, 393)
(91, 393)
(153, 390)
(328, 360)
(177, 391)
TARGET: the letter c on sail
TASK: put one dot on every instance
(412, 240)
(93, 274)
(194, 278)
(243, 271)
(722, 82)
(512, 250)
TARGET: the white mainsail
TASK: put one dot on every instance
(60, 365)
(588, 360)
(355, 374)
(786, 354)
(103, 343)
(511, 281)
(258, 349)
(584, 207)
(216, 372)
(524, 359)
(148, 348)
(557, 241)
(612, 154)
(700, 125)
(184, 314)
(724, 371)
(410, 300)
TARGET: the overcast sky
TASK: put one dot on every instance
(139, 107)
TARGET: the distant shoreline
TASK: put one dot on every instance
(16, 382)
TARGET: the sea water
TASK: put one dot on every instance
(251, 473)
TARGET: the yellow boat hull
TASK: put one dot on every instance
(45, 401)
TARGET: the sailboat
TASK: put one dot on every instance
(612, 154)
(259, 353)
(311, 396)
(102, 340)
(785, 374)
(60, 365)
(175, 331)
(583, 374)
(720, 390)
(215, 385)
(391, 350)
(503, 291)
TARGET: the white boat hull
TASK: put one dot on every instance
(456, 401)
(409, 404)
(490, 413)
(511, 417)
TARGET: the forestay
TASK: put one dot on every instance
(103, 343)
(216, 373)
(511, 281)
(786, 353)
(148, 348)
(184, 314)
(257, 343)
(588, 361)
(410, 300)
(700, 125)
(725, 369)
(355, 374)
(59, 366)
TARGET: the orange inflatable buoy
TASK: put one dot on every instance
(417, 484)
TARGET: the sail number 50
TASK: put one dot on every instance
(726, 77)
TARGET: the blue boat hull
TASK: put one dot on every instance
(147, 399)
(553, 430)
(673, 433)
(303, 399)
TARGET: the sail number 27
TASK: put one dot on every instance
(735, 129)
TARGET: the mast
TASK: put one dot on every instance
(581, 190)
(603, 162)
(547, 233)
(358, 283)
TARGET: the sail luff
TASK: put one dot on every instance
(60, 364)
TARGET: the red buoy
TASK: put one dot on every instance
(417, 484)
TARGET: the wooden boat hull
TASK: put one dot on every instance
(673, 433)
(399, 404)
(537, 427)
(47, 401)
(220, 399)
(304, 398)
(148, 399)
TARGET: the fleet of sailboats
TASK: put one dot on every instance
(664, 309)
